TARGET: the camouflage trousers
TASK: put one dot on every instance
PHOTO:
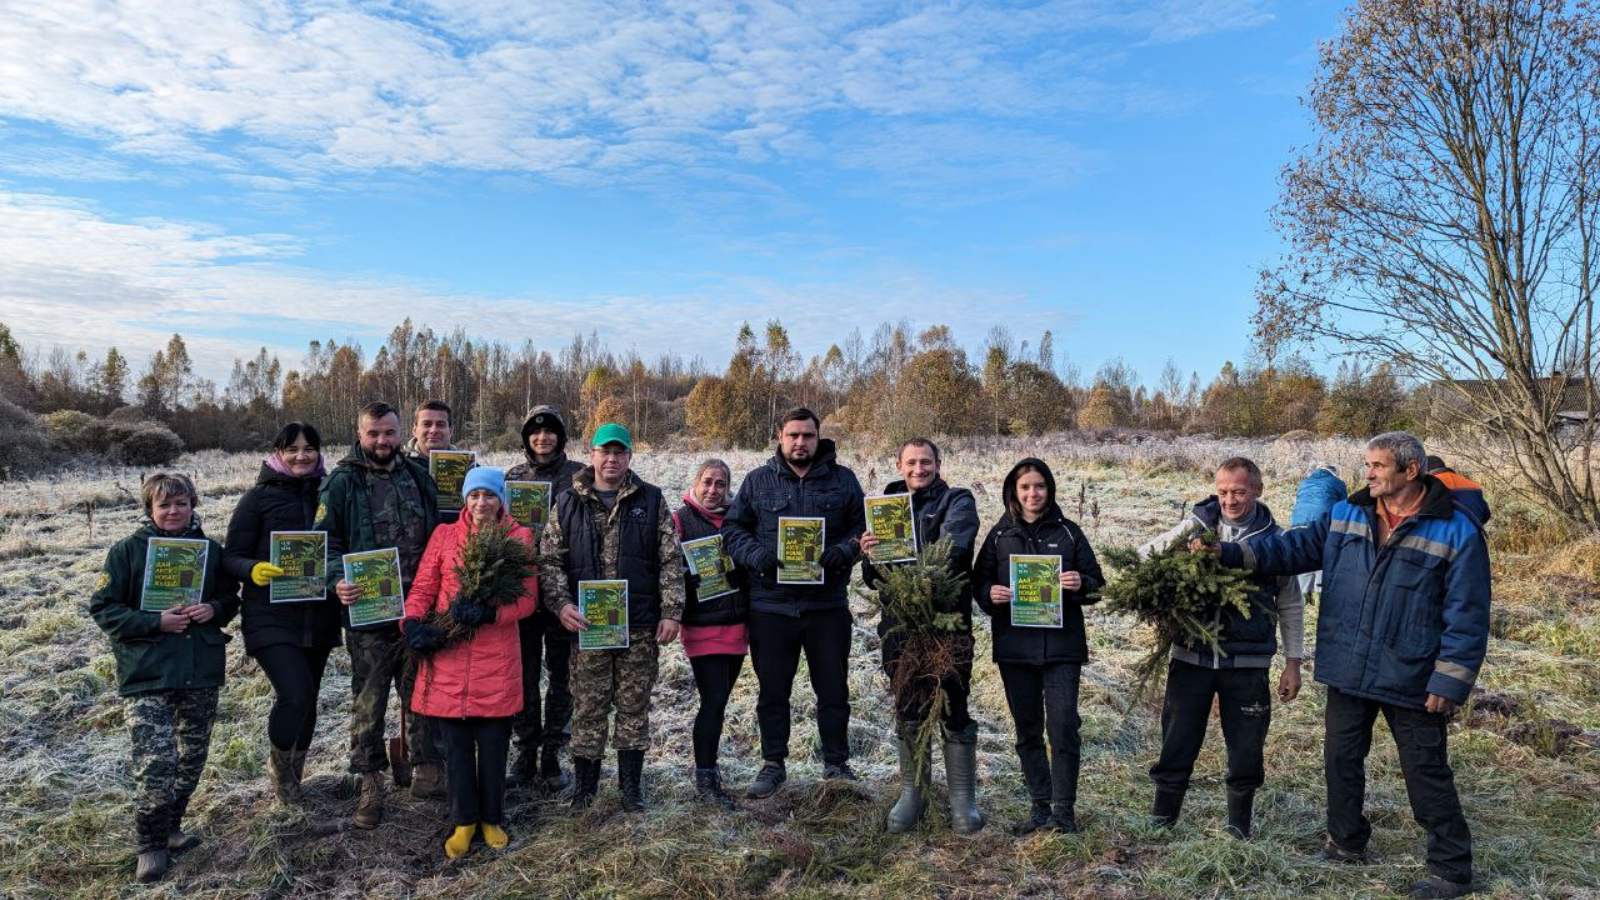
(171, 735)
(606, 680)
(379, 662)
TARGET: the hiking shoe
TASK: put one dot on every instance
(1038, 817)
(550, 769)
(1434, 886)
(1332, 852)
(768, 780)
(708, 789)
(369, 802)
(839, 772)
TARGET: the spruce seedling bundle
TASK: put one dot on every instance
(492, 569)
(924, 598)
(1180, 594)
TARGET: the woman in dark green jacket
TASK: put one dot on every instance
(166, 633)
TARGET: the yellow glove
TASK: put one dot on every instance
(262, 573)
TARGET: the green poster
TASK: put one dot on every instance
(303, 557)
(889, 516)
(1036, 591)
(530, 503)
(604, 605)
(174, 573)
(707, 561)
(800, 543)
(383, 596)
(449, 471)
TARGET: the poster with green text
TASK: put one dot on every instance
(707, 561)
(174, 573)
(383, 597)
(303, 557)
(604, 605)
(530, 503)
(449, 471)
(889, 517)
(800, 543)
(1036, 591)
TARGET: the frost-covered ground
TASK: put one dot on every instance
(1529, 779)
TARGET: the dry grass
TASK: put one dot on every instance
(1529, 791)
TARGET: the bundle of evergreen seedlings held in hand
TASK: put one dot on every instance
(924, 599)
(1179, 593)
(491, 572)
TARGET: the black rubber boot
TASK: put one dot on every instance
(550, 768)
(587, 785)
(1240, 806)
(961, 774)
(630, 779)
(1164, 812)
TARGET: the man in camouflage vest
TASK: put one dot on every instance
(613, 525)
(378, 498)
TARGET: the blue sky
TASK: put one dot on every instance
(266, 173)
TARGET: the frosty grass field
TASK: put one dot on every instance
(1525, 752)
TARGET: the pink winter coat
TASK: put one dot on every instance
(480, 677)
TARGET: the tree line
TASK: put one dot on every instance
(895, 383)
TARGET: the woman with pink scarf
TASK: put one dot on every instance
(714, 635)
(291, 641)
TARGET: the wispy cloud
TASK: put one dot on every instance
(573, 91)
(72, 277)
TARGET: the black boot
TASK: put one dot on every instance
(1036, 772)
(526, 767)
(630, 779)
(1164, 812)
(1064, 792)
(550, 768)
(708, 788)
(1240, 805)
(587, 772)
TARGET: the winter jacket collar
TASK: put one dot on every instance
(583, 485)
(546, 470)
(824, 460)
(193, 531)
(714, 518)
(1436, 500)
(919, 498)
(358, 459)
(1208, 513)
(273, 472)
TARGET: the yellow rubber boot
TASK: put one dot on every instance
(457, 844)
(495, 836)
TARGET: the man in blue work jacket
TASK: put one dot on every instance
(1402, 631)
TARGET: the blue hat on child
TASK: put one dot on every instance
(486, 478)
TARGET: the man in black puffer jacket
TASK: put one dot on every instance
(541, 729)
(939, 511)
(1238, 676)
(804, 478)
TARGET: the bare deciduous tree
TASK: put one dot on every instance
(1446, 219)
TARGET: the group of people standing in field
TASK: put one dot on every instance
(1402, 630)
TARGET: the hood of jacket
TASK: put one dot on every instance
(272, 475)
(552, 416)
(1008, 492)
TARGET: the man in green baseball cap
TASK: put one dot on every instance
(612, 525)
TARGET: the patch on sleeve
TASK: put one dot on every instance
(105, 579)
(322, 512)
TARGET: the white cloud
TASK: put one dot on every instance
(73, 278)
(605, 88)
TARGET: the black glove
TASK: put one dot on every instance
(470, 615)
(422, 637)
(767, 564)
(837, 557)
